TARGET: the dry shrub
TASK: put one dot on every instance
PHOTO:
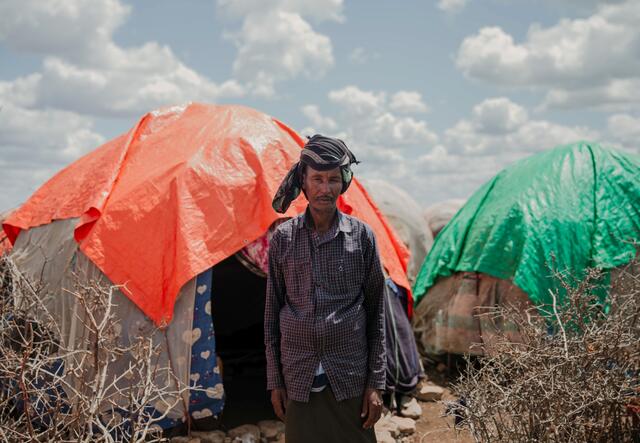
(572, 378)
(54, 392)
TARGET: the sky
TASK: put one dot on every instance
(435, 97)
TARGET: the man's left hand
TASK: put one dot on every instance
(371, 407)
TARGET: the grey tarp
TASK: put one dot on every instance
(50, 255)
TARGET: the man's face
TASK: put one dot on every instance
(322, 188)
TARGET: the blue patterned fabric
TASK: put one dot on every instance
(208, 400)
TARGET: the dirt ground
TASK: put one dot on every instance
(434, 426)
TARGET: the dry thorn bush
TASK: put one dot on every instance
(572, 377)
(56, 392)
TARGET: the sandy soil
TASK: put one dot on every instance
(434, 426)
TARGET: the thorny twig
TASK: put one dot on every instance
(573, 385)
(88, 400)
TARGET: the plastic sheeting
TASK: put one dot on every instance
(48, 255)
(566, 209)
(185, 188)
(457, 317)
(403, 212)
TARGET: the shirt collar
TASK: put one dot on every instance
(344, 224)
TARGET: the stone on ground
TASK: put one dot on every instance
(270, 429)
(184, 439)
(384, 437)
(409, 407)
(245, 434)
(430, 393)
(210, 436)
(388, 425)
(405, 425)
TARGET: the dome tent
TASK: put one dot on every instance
(404, 369)
(438, 215)
(403, 212)
(161, 210)
(571, 208)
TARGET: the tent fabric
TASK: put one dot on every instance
(207, 397)
(403, 213)
(438, 215)
(403, 362)
(457, 318)
(166, 201)
(568, 209)
(5, 244)
(50, 255)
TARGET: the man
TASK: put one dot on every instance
(324, 313)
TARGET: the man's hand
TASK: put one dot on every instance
(371, 407)
(279, 402)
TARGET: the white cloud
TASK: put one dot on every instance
(599, 54)
(498, 125)
(318, 10)
(276, 43)
(625, 128)
(143, 79)
(78, 30)
(434, 168)
(499, 115)
(452, 6)
(408, 102)
(369, 117)
(312, 112)
(86, 71)
(357, 101)
(616, 95)
(279, 46)
(46, 116)
(385, 140)
(35, 144)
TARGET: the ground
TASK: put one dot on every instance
(434, 426)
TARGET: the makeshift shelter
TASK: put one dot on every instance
(169, 211)
(439, 214)
(566, 210)
(403, 212)
(5, 244)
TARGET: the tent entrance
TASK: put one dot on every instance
(238, 298)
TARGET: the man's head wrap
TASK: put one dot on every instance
(322, 154)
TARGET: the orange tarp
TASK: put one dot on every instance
(185, 188)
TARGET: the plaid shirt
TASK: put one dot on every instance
(324, 304)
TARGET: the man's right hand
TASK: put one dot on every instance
(279, 402)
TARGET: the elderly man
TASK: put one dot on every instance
(324, 314)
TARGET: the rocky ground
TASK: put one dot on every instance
(421, 419)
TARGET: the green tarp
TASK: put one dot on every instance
(569, 209)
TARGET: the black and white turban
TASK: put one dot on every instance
(322, 154)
